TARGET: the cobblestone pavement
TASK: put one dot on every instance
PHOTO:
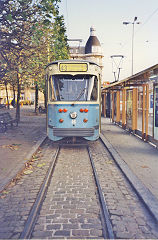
(129, 217)
(17, 200)
(140, 156)
(71, 207)
(17, 142)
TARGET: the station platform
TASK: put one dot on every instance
(18, 143)
(141, 157)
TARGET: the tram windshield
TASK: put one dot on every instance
(73, 88)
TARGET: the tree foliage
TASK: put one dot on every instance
(32, 33)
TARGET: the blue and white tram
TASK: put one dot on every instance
(74, 95)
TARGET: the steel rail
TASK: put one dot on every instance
(31, 220)
(148, 199)
(105, 211)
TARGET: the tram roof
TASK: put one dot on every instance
(72, 61)
(137, 79)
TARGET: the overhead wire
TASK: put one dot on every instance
(145, 22)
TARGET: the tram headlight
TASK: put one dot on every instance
(73, 115)
(62, 110)
(85, 120)
(84, 110)
(61, 120)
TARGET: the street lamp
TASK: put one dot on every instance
(134, 22)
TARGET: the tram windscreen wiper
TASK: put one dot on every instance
(81, 93)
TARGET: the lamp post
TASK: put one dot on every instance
(134, 22)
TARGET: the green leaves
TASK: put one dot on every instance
(20, 70)
(33, 34)
(9, 17)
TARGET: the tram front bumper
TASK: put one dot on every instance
(71, 132)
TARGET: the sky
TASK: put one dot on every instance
(107, 16)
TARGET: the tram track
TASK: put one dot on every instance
(81, 193)
(31, 221)
(106, 215)
(39, 199)
(109, 229)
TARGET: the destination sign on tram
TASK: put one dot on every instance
(73, 67)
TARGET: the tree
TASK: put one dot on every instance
(51, 42)
(32, 33)
(16, 28)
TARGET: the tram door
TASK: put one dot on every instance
(156, 112)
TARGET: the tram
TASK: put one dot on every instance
(73, 99)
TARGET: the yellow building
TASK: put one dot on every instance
(27, 95)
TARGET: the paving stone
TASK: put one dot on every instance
(80, 233)
(52, 216)
(74, 220)
(39, 227)
(70, 226)
(145, 229)
(15, 236)
(41, 234)
(96, 232)
(81, 211)
(53, 226)
(90, 226)
(63, 233)
(93, 221)
(123, 235)
(6, 229)
(5, 235)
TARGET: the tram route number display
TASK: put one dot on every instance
(156, 108)
(73, 67)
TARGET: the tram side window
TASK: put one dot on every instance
(54, 89)
(93, 89)
(51, 90)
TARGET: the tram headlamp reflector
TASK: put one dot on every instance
(73, 115)
(81, 110)
(85, 120)
(86, 110)
(60, 110)
(61, 120)
(64, 110)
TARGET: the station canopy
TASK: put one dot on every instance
(136, 80)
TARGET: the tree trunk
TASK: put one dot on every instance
(46, 93)
(36, 98)
(18, 99)
(45, 99)
(14, 91)
(7, 94)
